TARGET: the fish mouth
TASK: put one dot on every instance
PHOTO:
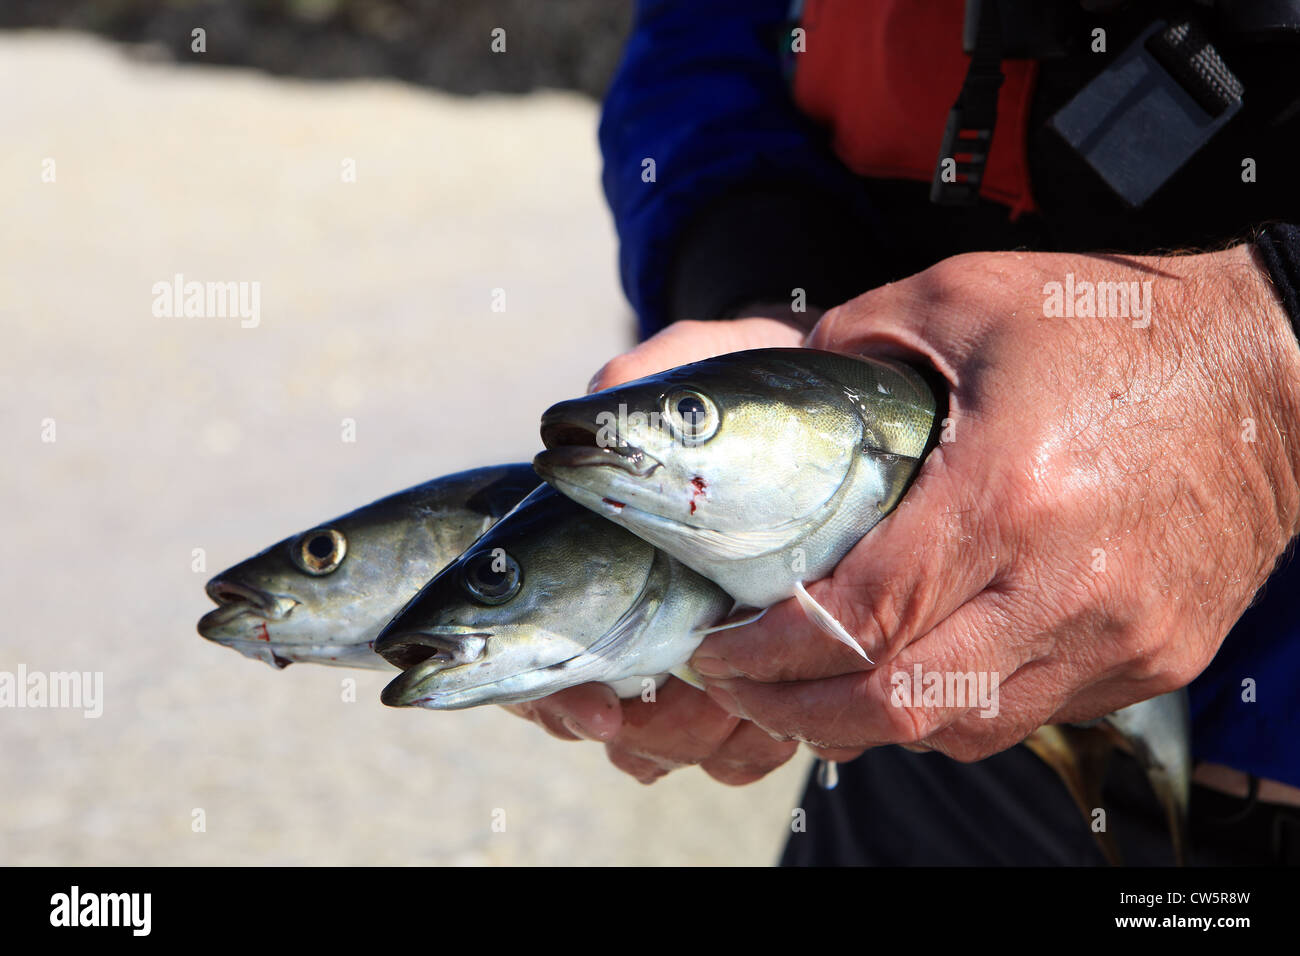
(456, 672)
(234, 599)
(241, 612)
(421, 654)
(573, 443)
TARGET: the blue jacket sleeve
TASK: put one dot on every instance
(701, 92)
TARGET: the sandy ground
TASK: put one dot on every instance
(175, 434)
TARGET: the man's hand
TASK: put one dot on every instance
(1109, 494)
(682, 727)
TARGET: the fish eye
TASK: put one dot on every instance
(492, 577)
(319, 551)
(692, 415)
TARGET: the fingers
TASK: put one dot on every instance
(956, 669)
(683, 727)
(640, 769)
(679, 728)
(689, 341)
(585, 712)
(900, 582)
(646, 739)
(1025, 703)
(1107, 695)
(748, 754)
(943, 313)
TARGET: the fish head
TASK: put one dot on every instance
(323, 595)
(742, 445)
(311, 597)
(515, 616)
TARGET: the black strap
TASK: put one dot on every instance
(970, 122)
(1186, 52)
(1279, 246)
(1273, 19)
(1249, 803)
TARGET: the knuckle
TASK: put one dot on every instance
(888, 623)
(753, 764)
(1147, 650)
(962, 748)
(735, 776)
(839, 754)
(736, 772)
(907, 725)
(701, 738)
(644, 771)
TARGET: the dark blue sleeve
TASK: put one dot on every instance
(701, 91)
(1244, 705)
(1279, 247)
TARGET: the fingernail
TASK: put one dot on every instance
(575, 728)
(724, 700)
(714, 667)
(595, 380)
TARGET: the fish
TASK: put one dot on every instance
(1156, 732)
(551, 596)
(761, 469)
(323, 595)
(758, 469)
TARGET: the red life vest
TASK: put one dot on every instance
(883, 74)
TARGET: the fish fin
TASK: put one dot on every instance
(629, 687)
(1173, 800)
(728, 625)
(634, 619)
(1157, 732)
(686, 674)
(1079, 756)
(828, 774)
(826, 621)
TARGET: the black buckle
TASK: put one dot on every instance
(962, 158)
(968, 135)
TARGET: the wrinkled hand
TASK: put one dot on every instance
(1108, 496)
(682, 726)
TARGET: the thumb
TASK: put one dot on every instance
(690, 341)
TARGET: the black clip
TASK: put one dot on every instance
(968, 135)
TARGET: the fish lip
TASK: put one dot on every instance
(452, 647)
(432, 649)
(221, 616)
(635, 462)
(225, 591)
(235, 600)
(280, 654)
(573, 443)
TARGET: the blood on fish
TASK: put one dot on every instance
(699, 485)
(616, 504)
(265, 635)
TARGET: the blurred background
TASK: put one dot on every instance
(135, 442)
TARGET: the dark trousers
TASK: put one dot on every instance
(895, 808)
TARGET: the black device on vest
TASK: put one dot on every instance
(1138, 121)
